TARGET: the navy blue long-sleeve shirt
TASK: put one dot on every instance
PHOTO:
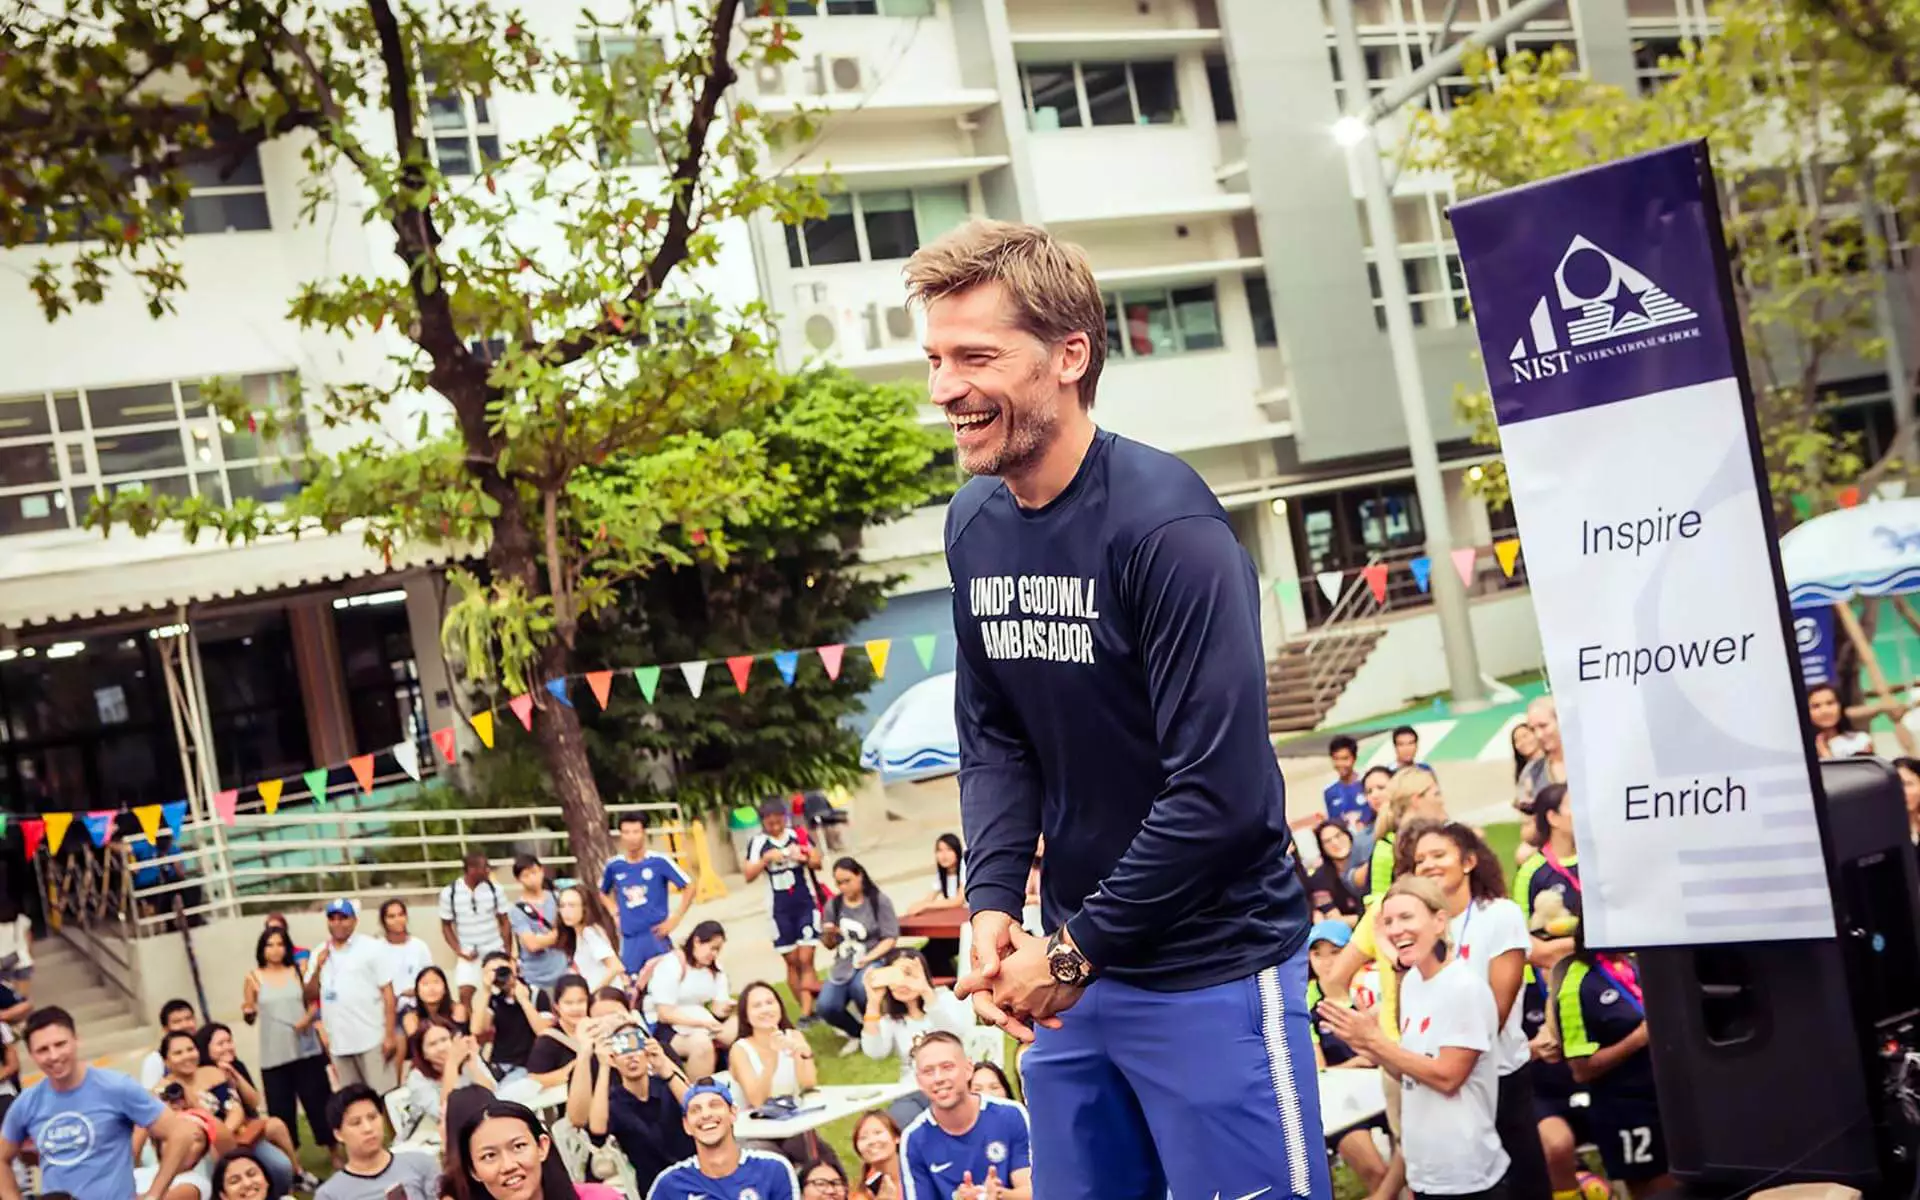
(1111, 692)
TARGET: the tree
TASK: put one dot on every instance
(844, 456)
(1800, 136)
(580, 396)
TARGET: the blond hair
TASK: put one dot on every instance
(1406, 783)
(1428, 893)
(1049, 283)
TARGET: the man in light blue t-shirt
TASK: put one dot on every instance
(81, 1121)
(637, 886)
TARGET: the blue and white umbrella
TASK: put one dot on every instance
(1868, 550)
(916, 737)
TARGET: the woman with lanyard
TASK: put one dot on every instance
(1548, 892)
(1444, 1058)
(1602, 1017)
(1490, 938)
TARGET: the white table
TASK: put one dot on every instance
(823, 1106)
(1350, 1097)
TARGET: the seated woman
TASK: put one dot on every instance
(589, 939)
(771, 1060)
(990, 1080)
(217, 1050)
(903, 1004)
(440, 1060)
(876, 1139)
(688, 1004)
(949, 894)
(555, 1049)
(205, 1095)
(432, 1000)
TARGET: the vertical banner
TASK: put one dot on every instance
(1603, 307)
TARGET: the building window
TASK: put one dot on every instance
(852, 8)
(620, 63)
(876, 226)
(462, 137)
(1429, 262)
(1072, 95)
(1220, 87)
(1159, 321)
(58, 451)
(1397, 34)
(1260, 304)
(224, 197)
(1352, 528)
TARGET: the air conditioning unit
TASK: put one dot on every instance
(770, 79)
(821, 329)
(888, 325)
(839, 73)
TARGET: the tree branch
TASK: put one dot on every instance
(683, 186)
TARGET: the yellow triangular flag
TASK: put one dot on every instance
(1508, 552)
(149, 817)
(482, 723)
(270, 790)
(57, 825)
(877, 651)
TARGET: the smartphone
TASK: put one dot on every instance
(627, 1041)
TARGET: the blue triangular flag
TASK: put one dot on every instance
(559, 689)
(175, 815)
(788, 661)
(1422, 569)
(99, 826)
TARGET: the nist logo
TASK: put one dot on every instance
(1597, 302)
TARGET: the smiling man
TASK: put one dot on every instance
(1111, 693)
(965, 1145)
(720, 1169)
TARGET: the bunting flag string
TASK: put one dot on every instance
(924, 646)
(1508, 553)
(448, 742)
(149, 817)
(482, 723)
(362, 767)
(877, 652)
(99, 826)
(602, 684)
(57, 826)
(695, 673)
(317, 782)
(788, 663)
(1464, 560)
(225, 805)
(269, 789)
(1330, 582)
(522, 706)
(1376, 576)
(407, 754)
(558, 688)
(830, 657)
(740, 666)
(1422, 569)
(649, 679)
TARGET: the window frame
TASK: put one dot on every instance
(1119, 350)
(473, 129)
(1085, 107)
(795, 236)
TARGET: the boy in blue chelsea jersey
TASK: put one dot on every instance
(720, 1169)
(1111, 694)
(638, 886)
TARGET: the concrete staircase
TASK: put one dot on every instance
(1306, 678)
(111, 1032)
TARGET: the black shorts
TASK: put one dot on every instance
(1628, 1135)
(1553, 1089)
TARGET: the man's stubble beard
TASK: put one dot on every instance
(1027, 431)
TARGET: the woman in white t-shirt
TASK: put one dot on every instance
(689, 1004)
(1444, 1058)
(1833, 733)
(1489, 936)
(589, 940)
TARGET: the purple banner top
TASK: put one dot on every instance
(1597, 286)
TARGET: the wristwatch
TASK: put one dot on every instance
(1068, 966)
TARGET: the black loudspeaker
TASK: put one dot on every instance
(1773, 1059)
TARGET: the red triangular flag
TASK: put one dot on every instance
(830, 657)
(741, 665)
(447, 742)
(224, 804)
(1850, 497)
(602, 684)
(1463, 563)
(522, 707)
(34, 832)
(1376, 577)
(362, 766)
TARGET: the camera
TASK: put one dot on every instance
(502, 979)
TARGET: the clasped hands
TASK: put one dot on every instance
(1010, 983)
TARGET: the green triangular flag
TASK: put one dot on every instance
(1802, 505)
(3, 824)
(648, 678)
(923, 646)
(317, 784)
(1286, 587)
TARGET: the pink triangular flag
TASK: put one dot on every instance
(602, 684)
(224, 803)
(445, 741)
(830, 657)
(1463, 561)
(522, 707)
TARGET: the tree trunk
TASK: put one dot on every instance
(556, 728)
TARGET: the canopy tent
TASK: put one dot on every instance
(1868, 550)
(916, 738)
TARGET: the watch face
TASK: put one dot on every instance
(1066, 968)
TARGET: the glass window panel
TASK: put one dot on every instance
(853, 8)
(245, 173)
(266, 482)
(1108, 102)
(142, 405)
(481, 116)
(209, 484)
(77, 460)
(906, 8)
(446, 112)
(937, 210)
(454, 155)
(890, 227)
(23, 416)
(796, 258)
(832, 239)
(1155, 93)
(33, 512)
(176, 486)
(489, 148)
(1056, 105)
(66, 410)
(22, 465)
(1220, 87)
(226, 214)
(1260, 304)
(200, 443)
(1149, 324)
(1197, 312)
(1423, 276)
(140, 453)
